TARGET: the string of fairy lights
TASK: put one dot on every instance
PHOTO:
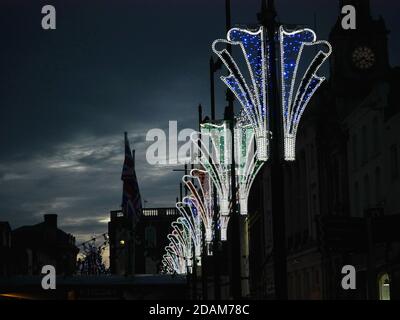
(213, 144)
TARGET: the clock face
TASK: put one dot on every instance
(363, 58)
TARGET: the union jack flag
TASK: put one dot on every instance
(131, 200)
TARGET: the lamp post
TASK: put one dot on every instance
(235, 278)
(214, 66)
(204, 273)
(267, 19)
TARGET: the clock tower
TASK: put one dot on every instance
(360, 56)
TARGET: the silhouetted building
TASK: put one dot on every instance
(121, 237)
(43, 244)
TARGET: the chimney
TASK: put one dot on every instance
(50, 220)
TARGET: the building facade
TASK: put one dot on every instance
(345, 178)
(151, 238)
(27, 249)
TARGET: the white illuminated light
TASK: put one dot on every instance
(252, 124)
(293, 106)
(183, 238)
(215, 148)
(175, 259)
(178, 256)
(223, 224)
(215, 151)
(192, 223)
(182, 232)
(252, 97)
(202, 198)
(181, 248)
(247, 163)
(172, 263)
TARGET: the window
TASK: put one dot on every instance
(384, 287)
(394, 162)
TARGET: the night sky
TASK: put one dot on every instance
(67, 95)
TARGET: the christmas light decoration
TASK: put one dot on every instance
(295, 98)
(214, 146)
(182, 233)
(180, 252)
(223, 227)
(178, 256)
(247, 163)
(167, 264)
(202, 198)
(252, 96)
(181, 246)
(173, 262)
(192, 223)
